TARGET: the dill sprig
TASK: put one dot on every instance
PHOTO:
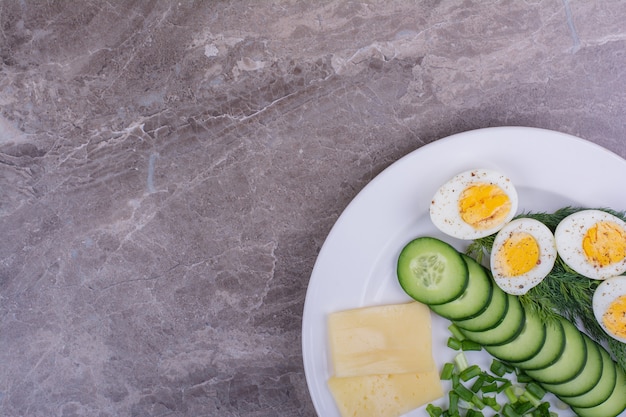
(563, 292)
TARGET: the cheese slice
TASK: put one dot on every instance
(389, 339)
(384, 395)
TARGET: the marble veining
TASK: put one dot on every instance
(170, 170)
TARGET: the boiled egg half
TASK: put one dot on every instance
(523, 253)
(474, 204)
(609, 307)
(593, 243)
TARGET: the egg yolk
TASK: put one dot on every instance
(615, 317)
(605, 244)
(518, 255)
(484, 206)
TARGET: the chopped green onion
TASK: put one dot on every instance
(478, 403)
(454, 343)
(455, 379)
(498, 368)
(491, 387)
(434, 411)
(453, 407)
(490, 378)
(461, 361)
(509, 411)
(466, 399)
(470, 372)
(464, 393)
(456, 332)
(504, 386)
(523, 407)
(446, 372)
(478, 384)
(470, 345)
(528, 397)
(492, 402)
(510, 394)
(536, 390)
(523, 378)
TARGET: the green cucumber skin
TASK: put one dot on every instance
(550, 351)
(508, 329)
(526, 345)
(431, 271)
(602, 390)
(613, 405)
(476, 297)
(571, 361)
(587, 378)
(491, 316)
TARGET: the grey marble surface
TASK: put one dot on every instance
(170, 170)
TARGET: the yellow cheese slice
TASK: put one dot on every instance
(389, 339)
(384, 395)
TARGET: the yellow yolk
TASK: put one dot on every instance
(605, 244)
(484, 205)
(518, 255)
(615, 317)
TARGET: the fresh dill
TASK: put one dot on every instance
(563, 292)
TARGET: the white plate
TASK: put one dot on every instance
(356, 265)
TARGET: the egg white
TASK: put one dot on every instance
(569, 236)
(444, 207)
(608, 291)
(520, 284)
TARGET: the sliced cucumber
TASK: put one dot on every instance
(526, 345)
(506, 330)
(551, 349)
(491, 316)
(571, 361)
(431, 271)
(586, 379)
(476, 297)
(602, 390)
(612, 406)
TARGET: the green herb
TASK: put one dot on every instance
(474, 389)
(446, 372)
(470, 373)
(470, 345)
(499, 368)
(456, 332)
(434, 411)
(454, 343)
(563, 292)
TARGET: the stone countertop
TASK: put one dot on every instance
(169, 172)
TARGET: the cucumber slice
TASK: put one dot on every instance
(526, 345)
(602, 390)
(551, 350)
(491, 316)
(571, 361)
(612, 406)
(431, 271)
(585, 380)
(476, 297)
(506, 330)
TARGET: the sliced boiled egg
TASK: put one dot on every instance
(523, 253)
(593, 243)
(609, 307)
(474, 204)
